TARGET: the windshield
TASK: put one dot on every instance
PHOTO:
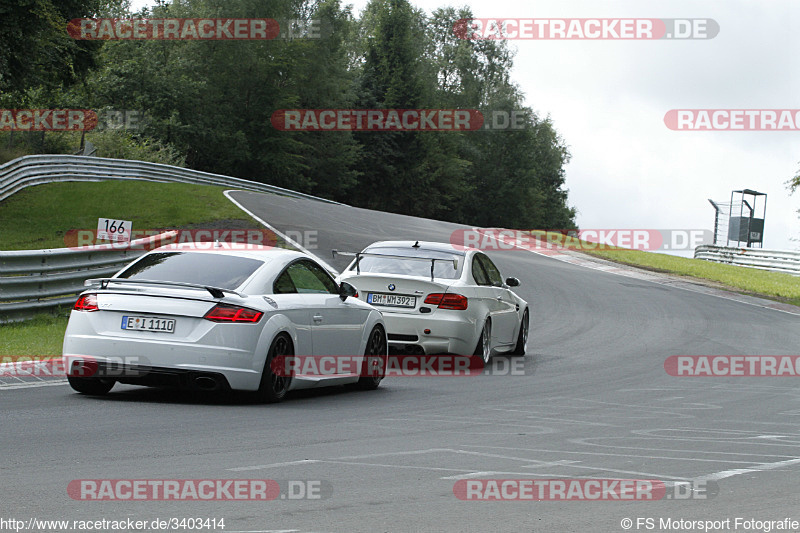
(214, 270)
(443, 268)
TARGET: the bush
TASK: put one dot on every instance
(118, 144)
(115, 144)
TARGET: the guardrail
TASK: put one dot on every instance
(34, 280)
(774, 260)
(37, 169)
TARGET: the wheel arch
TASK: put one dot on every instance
(274, 326)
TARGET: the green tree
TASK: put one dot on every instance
(35, 49)
(416, 173)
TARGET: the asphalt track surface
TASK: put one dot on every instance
(594, 402)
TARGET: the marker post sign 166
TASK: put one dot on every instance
(109, 229)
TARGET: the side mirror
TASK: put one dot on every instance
(512, 282)
(345, 290)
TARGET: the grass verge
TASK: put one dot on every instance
(40, 216)
(41, 336)
(774, 285)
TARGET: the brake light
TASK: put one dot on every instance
(232, 313)
(453, 301)
(434, 298)
(87, 302)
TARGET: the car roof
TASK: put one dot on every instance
(423, 245)
(253, 251)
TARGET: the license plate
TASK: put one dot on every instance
(391, 300)
(148, 323)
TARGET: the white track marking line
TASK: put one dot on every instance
(272, 465)
(707, 452)
(32, 385)
(410, 467)
(602, 454)
(541, 430)
(529, 463)
(756, 468)
(472, 475)
(281, 235)
(737, 440)
(389, 454)
(562, 420)
(467, 472)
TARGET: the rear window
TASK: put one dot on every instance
(391, 265)
(215, 270)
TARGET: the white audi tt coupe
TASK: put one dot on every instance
(217, 318)
(437, 298)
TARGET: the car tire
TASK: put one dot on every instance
(484, 347)
(273, 387)
(91, 386)
(373, 368)
(522, 338)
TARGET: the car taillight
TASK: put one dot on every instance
(453, 301)
(87, 302)
(434, 298)
(232, 313)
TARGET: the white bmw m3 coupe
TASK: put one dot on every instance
(217, 318)
(437, 298)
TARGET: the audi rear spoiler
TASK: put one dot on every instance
(216, 292)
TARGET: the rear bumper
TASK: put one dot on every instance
(150, 376)
(450, 332)
(145, 371)
(227, 355)
(172, 362)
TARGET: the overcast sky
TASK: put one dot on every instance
(607, 99)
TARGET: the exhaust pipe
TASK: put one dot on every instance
(206, 383)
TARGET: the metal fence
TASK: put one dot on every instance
(774, 260)
(37, 169)
(36, 280)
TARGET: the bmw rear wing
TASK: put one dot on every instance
(216, 292)
(359, 255)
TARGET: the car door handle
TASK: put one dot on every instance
(317, 318)
(498, 298)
